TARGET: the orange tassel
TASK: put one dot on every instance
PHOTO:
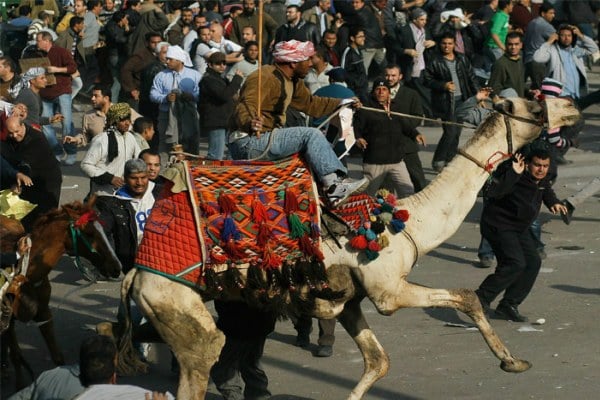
(309, 248)
(312, 208)
(402, 215)
(259, 213)
(234, 250)
(374, 246)
(264, 234)
(227, 203)
(271, 260)
(207, 209)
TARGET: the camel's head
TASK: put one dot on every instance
(555, 112)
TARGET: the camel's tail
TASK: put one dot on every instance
(128, 360)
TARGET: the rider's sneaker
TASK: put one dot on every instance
(340, 191)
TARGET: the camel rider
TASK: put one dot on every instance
(263, 136)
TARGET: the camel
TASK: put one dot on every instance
(185, 324)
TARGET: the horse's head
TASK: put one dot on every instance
(87, 239)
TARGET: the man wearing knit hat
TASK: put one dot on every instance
(383, 138)
(263, 136)
(105, 160)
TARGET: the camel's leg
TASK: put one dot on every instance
(47, 328)
(376, 360)
(182, 320)
(465, 300)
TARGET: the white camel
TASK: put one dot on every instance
(182, 320)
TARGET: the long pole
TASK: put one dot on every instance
(260, 60)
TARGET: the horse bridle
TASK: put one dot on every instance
(489, 166)
(77, 233)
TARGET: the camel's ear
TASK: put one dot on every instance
(505, 106)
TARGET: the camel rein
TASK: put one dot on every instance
(76, 234)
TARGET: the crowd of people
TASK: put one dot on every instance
(160, 73)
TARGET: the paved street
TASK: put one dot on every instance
(429, 360)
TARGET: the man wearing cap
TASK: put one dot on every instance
(413, 40)
(262, 136)
(30, 96)
(176, 91)
(216, 104)
(382, 137)
(108, 152)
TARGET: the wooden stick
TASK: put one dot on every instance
(260, 60)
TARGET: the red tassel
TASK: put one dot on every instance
(259, 213)
(234, 251)
(264, 234)
(207, 209)
(291, 201)
(271, 260)
(217, 257)
(310, 249)
(227, 203)
(312, 208)
(374, 246)
(359, 242)
(402, 215)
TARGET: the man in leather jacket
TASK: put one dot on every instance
(451, 79)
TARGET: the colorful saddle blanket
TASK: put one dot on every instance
(232, 212)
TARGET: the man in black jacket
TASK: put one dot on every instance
(512, 203)
(124, 214)
(216, 104)
(451, 79)
(383, 139)
(374, 46)
(297, 28)
(352, 62)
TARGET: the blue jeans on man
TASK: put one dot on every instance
(216, 143)
(49, 107)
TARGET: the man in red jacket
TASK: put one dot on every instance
(58, 95)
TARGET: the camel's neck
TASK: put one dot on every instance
(438, 210)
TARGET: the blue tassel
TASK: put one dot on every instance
(376, 211)
(315, 231)
(361, 231)
(370, 235)
(397, 225)
(230, 230)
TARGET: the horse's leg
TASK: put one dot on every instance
(376, 360)
(16, 357)
(465, 300)
(182, 320)
(4, 356)
(44, 315)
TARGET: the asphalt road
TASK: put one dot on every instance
(429, 359)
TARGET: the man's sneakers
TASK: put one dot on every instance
(570, 208)
(338, 193)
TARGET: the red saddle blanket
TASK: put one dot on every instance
(232, 212)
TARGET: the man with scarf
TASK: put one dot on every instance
(176, 91)
(262, 136)
(108, 152)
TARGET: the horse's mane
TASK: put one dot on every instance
(70, 210)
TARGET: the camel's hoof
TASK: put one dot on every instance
(515, 366)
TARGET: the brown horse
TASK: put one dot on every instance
(73, 229)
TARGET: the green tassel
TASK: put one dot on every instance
(297, 229)
(371, 255)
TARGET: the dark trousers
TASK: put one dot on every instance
(518, 265)
(448, 144)
(424, 92)
(586, 101)
(537, 73)
(238, 374)
(415, 170)
(303, 326)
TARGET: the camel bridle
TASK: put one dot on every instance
(498, 156)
